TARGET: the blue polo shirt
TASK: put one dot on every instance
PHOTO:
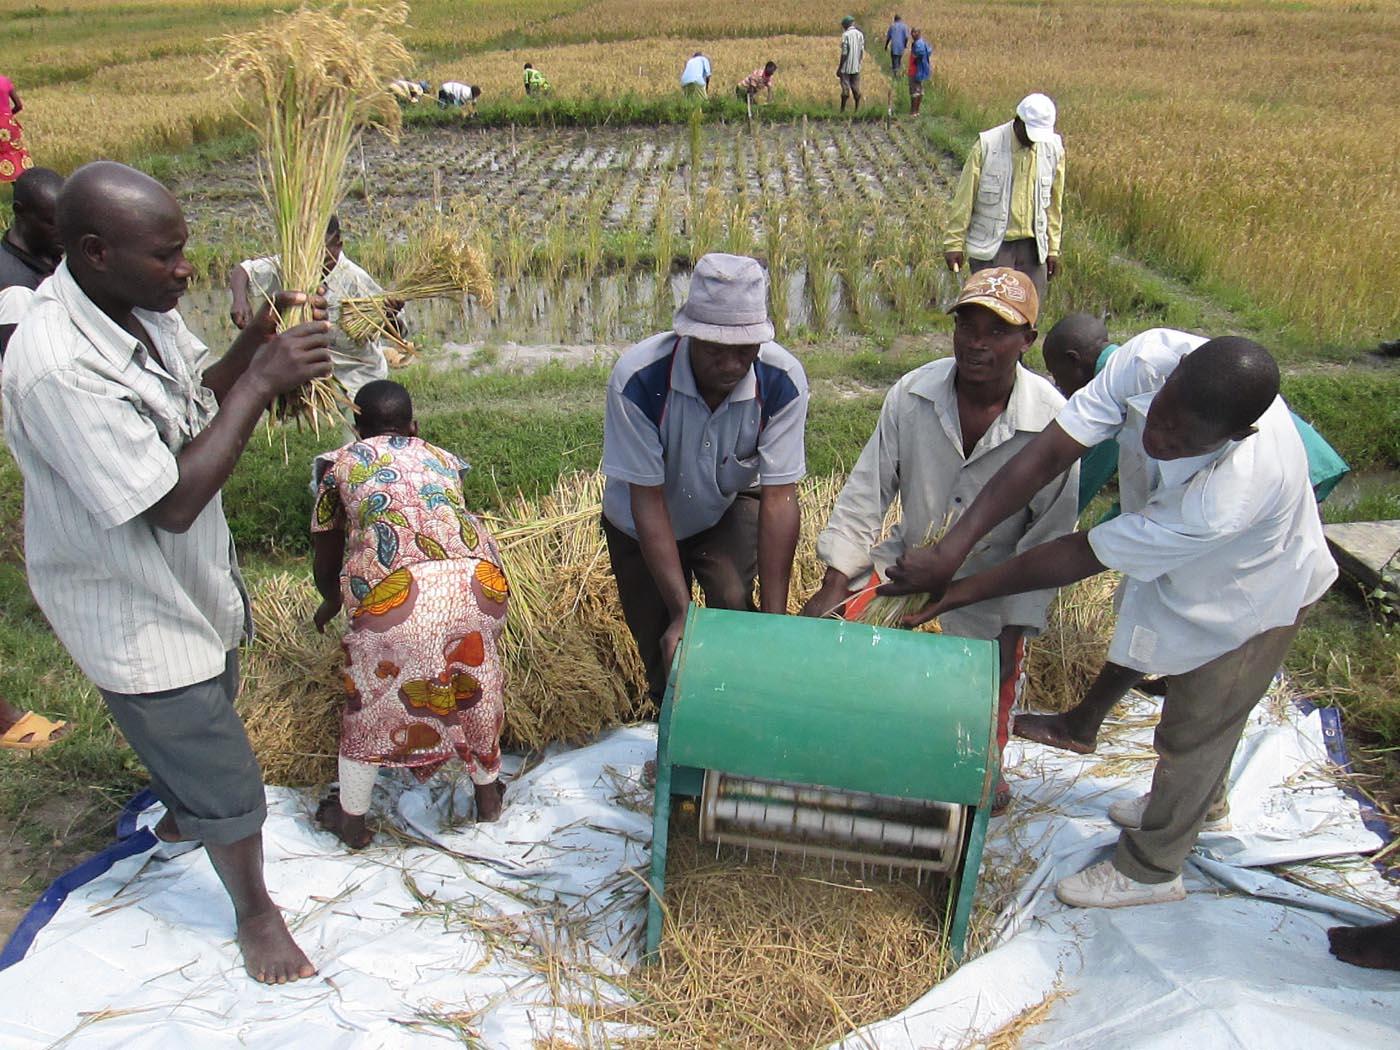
(658, 430)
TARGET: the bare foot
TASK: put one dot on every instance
(351, 830)
(1052, 731)
(1375, 947)
(269, 953)
(489, 799)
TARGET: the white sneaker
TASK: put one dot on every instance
(1128, 814)
(1102, 885)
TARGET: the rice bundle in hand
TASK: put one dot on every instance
(889, 610)
(311, 81)
(444, 264)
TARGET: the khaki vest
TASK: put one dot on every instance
(991, 207)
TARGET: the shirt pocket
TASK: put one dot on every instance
(989, 189)
(737, 473)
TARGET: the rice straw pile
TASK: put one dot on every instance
(311, 81)
(444, 264)
(1063, 661)
(754, 956)
(571, 668)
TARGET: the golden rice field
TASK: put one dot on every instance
(1247, 143)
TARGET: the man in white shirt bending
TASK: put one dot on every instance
(1221, 548)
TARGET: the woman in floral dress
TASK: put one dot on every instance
(14, 158)
(420, 580)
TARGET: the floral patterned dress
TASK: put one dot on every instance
(426, 602)
(14, 158)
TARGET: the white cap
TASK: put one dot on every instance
(1037, 113)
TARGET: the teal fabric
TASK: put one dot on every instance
(1100, 464)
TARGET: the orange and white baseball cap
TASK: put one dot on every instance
(1008, 293)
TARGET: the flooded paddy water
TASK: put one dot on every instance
(591, 232)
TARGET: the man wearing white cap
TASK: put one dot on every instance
(1008, 207)
(703, 449)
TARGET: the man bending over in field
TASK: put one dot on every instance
(945, 429)
(1076, 350)
(357, 362)
(125, 430)
(1221, 548)
(703, 449)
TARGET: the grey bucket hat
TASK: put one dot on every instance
(728, 302)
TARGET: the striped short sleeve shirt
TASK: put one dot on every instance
(95, 422)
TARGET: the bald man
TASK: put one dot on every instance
(1221, 547)
(29, 249)
(125, 429)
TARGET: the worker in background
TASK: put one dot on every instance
(1221, 547)
(125, 428)
(695, 77)
(759, 80)
(30, 251)
(945, 430)
(535, 82)
(1076, 350)
(408, 92)
(848, 68)
(455, 93)
(920, 70)
(30, 248)
(896, 40)
(702, 449)
(254, 281)
(1008, 208)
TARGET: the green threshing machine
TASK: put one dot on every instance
(833, 740)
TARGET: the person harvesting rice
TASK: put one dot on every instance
(945, 429)
(421, 580)
(357, 361)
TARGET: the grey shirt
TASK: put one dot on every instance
(95, 423)
(916, 454)
(658, 430)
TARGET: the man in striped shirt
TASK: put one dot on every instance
(125, 430)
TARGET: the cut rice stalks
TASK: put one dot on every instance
(888, 610)
(311, 81)
(784, 954)
(444, 264)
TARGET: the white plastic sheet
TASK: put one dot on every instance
(490, 928)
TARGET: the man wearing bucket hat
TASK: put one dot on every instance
(1008, 207)
(945, 429)
(703, 449)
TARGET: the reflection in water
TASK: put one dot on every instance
(608, 309)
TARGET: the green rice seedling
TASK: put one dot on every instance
(664, 222)
(697, 146)
(592, 246)
(777, 238)
(554, 248)
(516, 245)
(703, 223)
(739, 234)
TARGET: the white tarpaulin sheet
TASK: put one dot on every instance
(447, 930)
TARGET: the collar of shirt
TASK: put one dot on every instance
(122, 350)
(683, 378)
(1025, 410)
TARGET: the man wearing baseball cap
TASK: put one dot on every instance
(1221, 549)
(703, 449)
(1008, 207)
(945, 429)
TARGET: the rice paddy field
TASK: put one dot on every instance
(1232, 167)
